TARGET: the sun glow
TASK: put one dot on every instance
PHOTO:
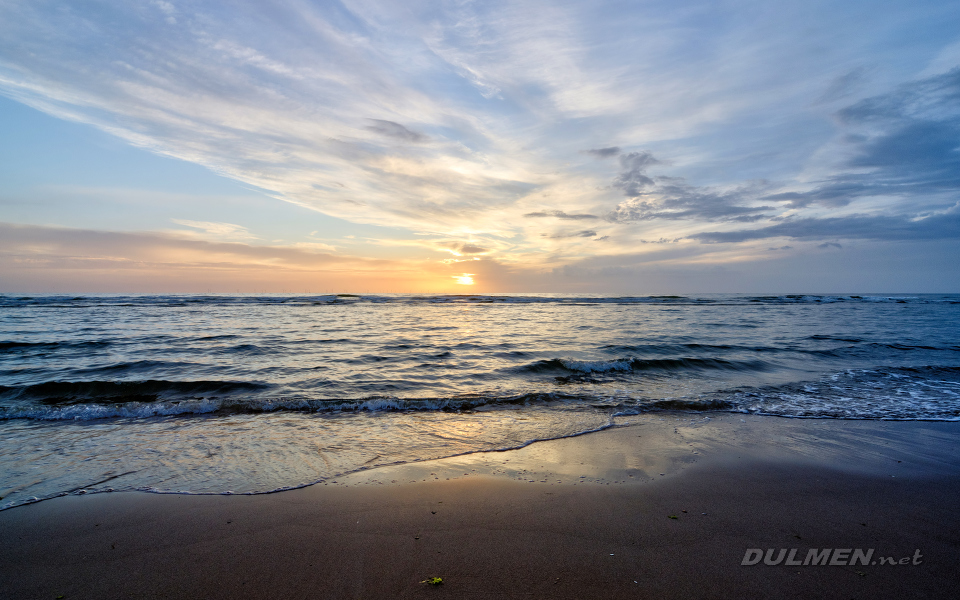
(464, 279)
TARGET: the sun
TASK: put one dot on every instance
(464, 278)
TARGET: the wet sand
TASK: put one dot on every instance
(584, 517)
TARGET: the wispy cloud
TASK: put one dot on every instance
(82, 259)
(674, 199)
(395, 130)
(655, 197)
(879, 227)
(223, 231)
(559, 214)
(905, 143)
(605, 152)
(497, 129)
(461, 248)
(902, 147)
(584, 233)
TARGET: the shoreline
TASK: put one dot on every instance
(578, 517)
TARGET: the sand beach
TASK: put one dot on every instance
(666, 507)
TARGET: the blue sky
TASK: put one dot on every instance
(636, 147)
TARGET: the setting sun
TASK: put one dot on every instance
(464, 279)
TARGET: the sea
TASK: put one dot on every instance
(240, 394)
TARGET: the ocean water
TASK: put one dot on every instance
(246, 394)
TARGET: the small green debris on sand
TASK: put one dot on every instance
(433, 581)
(672, 517)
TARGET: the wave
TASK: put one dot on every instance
(898, 393)
(691, 405)
(12, 346)
(625, 365)
(85, 401)
(679, 348)
(116, 392)
(923, 392)
(872, 348)
(12, 301)
(136, 402)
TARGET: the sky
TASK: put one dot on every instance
(479, 147)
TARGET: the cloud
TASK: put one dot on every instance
(61, 259)
(226, 231)
(132, 249)
(461, 248)
(605, 152)
(678, 201)
(838, 193)
(395, 130)
(660, 241)
(584, 234)
(844, 85)
(633, 178)
(942, 226)
(458, 247)
(905, 143)
(671, 198)
(315, 246)
(253, 93)
(559, 214)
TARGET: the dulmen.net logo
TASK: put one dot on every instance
(819, 557)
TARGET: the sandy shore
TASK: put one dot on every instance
(585, 517)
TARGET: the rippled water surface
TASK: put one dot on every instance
(255, 393)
